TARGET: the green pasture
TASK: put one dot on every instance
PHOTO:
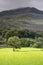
(24, 56)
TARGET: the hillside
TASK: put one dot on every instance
(27, 18)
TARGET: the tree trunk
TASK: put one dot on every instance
(13, 49)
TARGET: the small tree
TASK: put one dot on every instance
(14, 42)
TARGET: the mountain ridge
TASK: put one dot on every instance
(21, 10)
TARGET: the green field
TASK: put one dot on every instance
(25, 56)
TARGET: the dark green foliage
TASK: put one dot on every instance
(38, 43)
(27, 42)
(26, 34)
(23, 33)
(2, 41)
(20, 33)
(10, 33)
(32, 34)
(4, 32)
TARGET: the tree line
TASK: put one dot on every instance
(21, 38)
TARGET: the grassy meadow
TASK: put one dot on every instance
(25, 56)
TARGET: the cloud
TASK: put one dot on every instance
(13, 4)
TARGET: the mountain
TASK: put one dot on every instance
(27, 18)
(21, 10)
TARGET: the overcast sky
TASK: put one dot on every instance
(13, 4)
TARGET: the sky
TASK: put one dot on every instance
(14, 4)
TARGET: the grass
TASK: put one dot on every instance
(25, 56)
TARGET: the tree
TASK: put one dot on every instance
(10, 33)
(14, 42)
(32, 34)
(38, 43)
(2, 41)
(23, 33)
(27, 42)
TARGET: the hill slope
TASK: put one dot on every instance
(28, 18)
